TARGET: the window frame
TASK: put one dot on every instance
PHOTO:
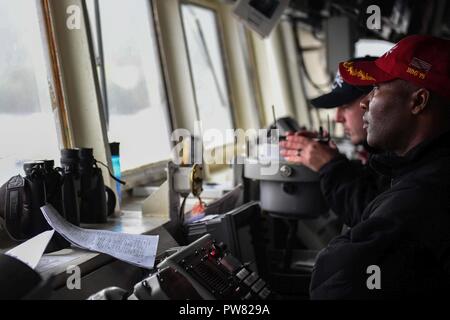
(254, 78)
(54, 70)
(215, 8)
(151, 172)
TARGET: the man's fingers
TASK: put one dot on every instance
(294, 159)
(290, 153)
(299, 140)
(290, 145)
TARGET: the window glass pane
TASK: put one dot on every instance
(136, 98)
(28, 129)
(207, 64)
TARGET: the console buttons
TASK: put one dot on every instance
(264, 293)
(251, 279)
(241, 275)
(258, 285)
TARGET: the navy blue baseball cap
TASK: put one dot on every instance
(342, 92)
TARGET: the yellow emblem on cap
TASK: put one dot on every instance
(354, 72)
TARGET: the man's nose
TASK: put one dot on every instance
(340, 115)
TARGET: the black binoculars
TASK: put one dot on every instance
(76, 190)
(96, 200)
(86, 198)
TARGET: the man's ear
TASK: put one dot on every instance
(420, 100)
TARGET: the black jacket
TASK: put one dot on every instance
(405, 231)
(349, 186)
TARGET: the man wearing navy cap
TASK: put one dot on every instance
(348, 185)
(400, 244)
(346, 97)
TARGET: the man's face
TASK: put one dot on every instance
(387, 116)
(350, 115)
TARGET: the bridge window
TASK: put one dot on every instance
(130, 75)
(28, 130)
(208, 71)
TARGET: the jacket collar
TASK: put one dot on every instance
(392, 165)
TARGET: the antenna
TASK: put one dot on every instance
(329, 127)
(321, 137)
(274, 117)
(275, 123)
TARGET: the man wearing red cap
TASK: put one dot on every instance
(348, 185)
(400, 244)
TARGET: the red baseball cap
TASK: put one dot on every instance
(421, 59)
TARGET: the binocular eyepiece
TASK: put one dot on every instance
(87, 160)
(87, 155)
(70, 161)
